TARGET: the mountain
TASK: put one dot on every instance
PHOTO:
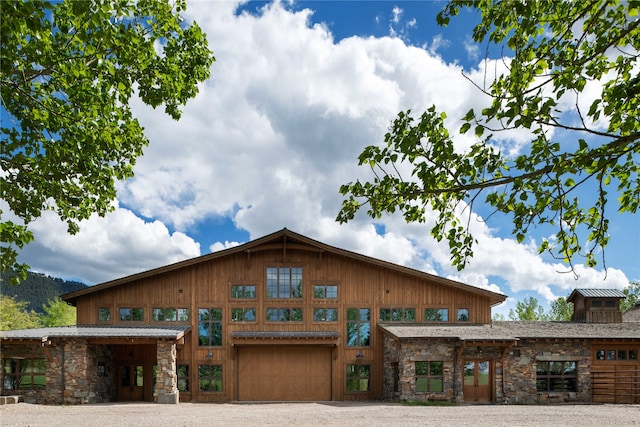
(37, 289)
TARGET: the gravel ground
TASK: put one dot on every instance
(316, 414)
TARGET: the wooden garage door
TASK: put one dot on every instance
(284, 373)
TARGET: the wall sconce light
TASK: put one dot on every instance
(359, 355)
(209, 355)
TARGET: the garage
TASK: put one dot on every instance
(284, 373)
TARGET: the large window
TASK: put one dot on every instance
(170, 314)
(325, 291)
(210, 377)
(210, 326)
(284, 314)
(243, 291)
(243, 314)
(358, 377)
(325, 314)
(24, 374)
(284, 282)
(397, 314)
(429, 377)
(556, 376)
(436, 315)
(132, 314)
(358, 326)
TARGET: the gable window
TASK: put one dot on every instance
(358, 327)
(131, 314)
(463, 315)
(210, 326)
(210, 377)
(325, 291)
(243, 314)
(325, 314)
(104, 314)
(170, 314)
(284, 314)
(429, 377)
(436, 315)
(358, 378)
(397, 314)
(24, 374)
(284, 282)
(243, 291)
(556, 376)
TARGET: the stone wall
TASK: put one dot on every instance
(166, 389)
(514, 369)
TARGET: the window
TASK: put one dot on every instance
(325, 291)
(102, 369)
(183, 377)
(397, 314)
(436, 315)
(243, 314)
(429, 377)
(284, 282)
(284, 314)
(463, 315)
(210, 377)
(24, 374)
(556, 376)
(243, 291)
(358, 377)
(104, 314)
(358, 326)
(131, 314)
(325, 314)
(210, 326)
(619, 354)
(170, 314)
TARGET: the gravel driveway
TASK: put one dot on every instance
(316, 414)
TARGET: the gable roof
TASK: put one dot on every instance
(596, 293)
(283, 239)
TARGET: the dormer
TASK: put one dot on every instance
(596, 305)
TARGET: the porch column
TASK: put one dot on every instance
(166, 390)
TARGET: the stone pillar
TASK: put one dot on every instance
(166, 390)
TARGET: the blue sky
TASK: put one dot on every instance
(298, 90)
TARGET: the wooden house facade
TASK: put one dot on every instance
(288, 318)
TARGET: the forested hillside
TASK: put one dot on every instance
(37, 289)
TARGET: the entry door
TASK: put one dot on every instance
(477, 381)
(131, 382)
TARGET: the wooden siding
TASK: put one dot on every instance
(208, 285)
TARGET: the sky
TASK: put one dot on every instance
(296, 93)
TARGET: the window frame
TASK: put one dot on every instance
(393, 312)
(21, 369)
(324, 317)
(289, 287)
(358, 326)
(358, 376)
(429, 376)
(215, 319)
(245, 293)
(324, 294)
(213, 379)
(104, 310)
(462, 311)
(282, 316)
(184, 377)
(243, 314)
(550, 377)
(179, 313)
(132, 314)
(438, 311)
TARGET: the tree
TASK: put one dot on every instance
(633, 296)
(560, 310)
(58, 313)
(13, 315)
(69, 70)
(529, 309)
(572, 76)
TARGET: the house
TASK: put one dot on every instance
(286, 317)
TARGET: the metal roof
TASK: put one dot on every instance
(514, 331)
(144, 331)
(598, 293)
